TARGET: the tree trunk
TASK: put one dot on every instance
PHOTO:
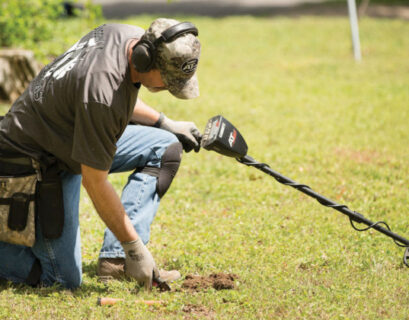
(17, 68)
(363, 7)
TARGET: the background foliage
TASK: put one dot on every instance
(26, 23)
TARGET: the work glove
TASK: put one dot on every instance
(186, 132)
(139, 263)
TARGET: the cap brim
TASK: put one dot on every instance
(183, 89)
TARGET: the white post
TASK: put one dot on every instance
(353, 19)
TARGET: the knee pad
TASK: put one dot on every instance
(169, 166)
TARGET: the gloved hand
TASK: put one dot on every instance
(186, 132)
(139, 263)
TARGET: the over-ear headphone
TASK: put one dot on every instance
(145, 51)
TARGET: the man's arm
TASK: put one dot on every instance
(139, 262)
(144, 114)
(186, 132)
(107, 203)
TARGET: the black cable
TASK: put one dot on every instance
(253, 163)
(375, 224)
(371, 226)
(406, 257)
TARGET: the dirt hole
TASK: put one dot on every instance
(218, 281)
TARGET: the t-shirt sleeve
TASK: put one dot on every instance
(96, 131)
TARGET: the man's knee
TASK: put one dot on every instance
(73, 280)
(170, 162)
(70, 280)
(67, 278)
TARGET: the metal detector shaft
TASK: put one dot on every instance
(355, 216)
(222, 137)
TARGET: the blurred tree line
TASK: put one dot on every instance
(24, 23)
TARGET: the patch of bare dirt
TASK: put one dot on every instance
(198, 312)
(362, 156)
(218, 281)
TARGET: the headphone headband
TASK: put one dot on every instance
(175, 31)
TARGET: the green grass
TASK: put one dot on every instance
(306, 108)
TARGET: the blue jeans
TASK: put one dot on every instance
(60, 259)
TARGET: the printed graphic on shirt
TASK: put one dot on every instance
(66, 62)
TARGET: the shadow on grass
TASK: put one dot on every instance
(90, 269)
(87, 288)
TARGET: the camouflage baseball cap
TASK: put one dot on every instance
(176, 60)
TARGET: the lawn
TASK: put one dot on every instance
(312, 113)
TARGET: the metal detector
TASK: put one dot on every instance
(221, 136)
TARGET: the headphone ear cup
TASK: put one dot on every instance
(142, 56)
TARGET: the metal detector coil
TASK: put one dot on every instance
(221, 136)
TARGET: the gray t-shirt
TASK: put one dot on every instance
(79, 105)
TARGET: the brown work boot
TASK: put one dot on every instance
(113, 268)
(110, 268)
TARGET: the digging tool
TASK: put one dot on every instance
(161, 284)
(221, 136)
(104, 301)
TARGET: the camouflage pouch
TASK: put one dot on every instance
(17, 208)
